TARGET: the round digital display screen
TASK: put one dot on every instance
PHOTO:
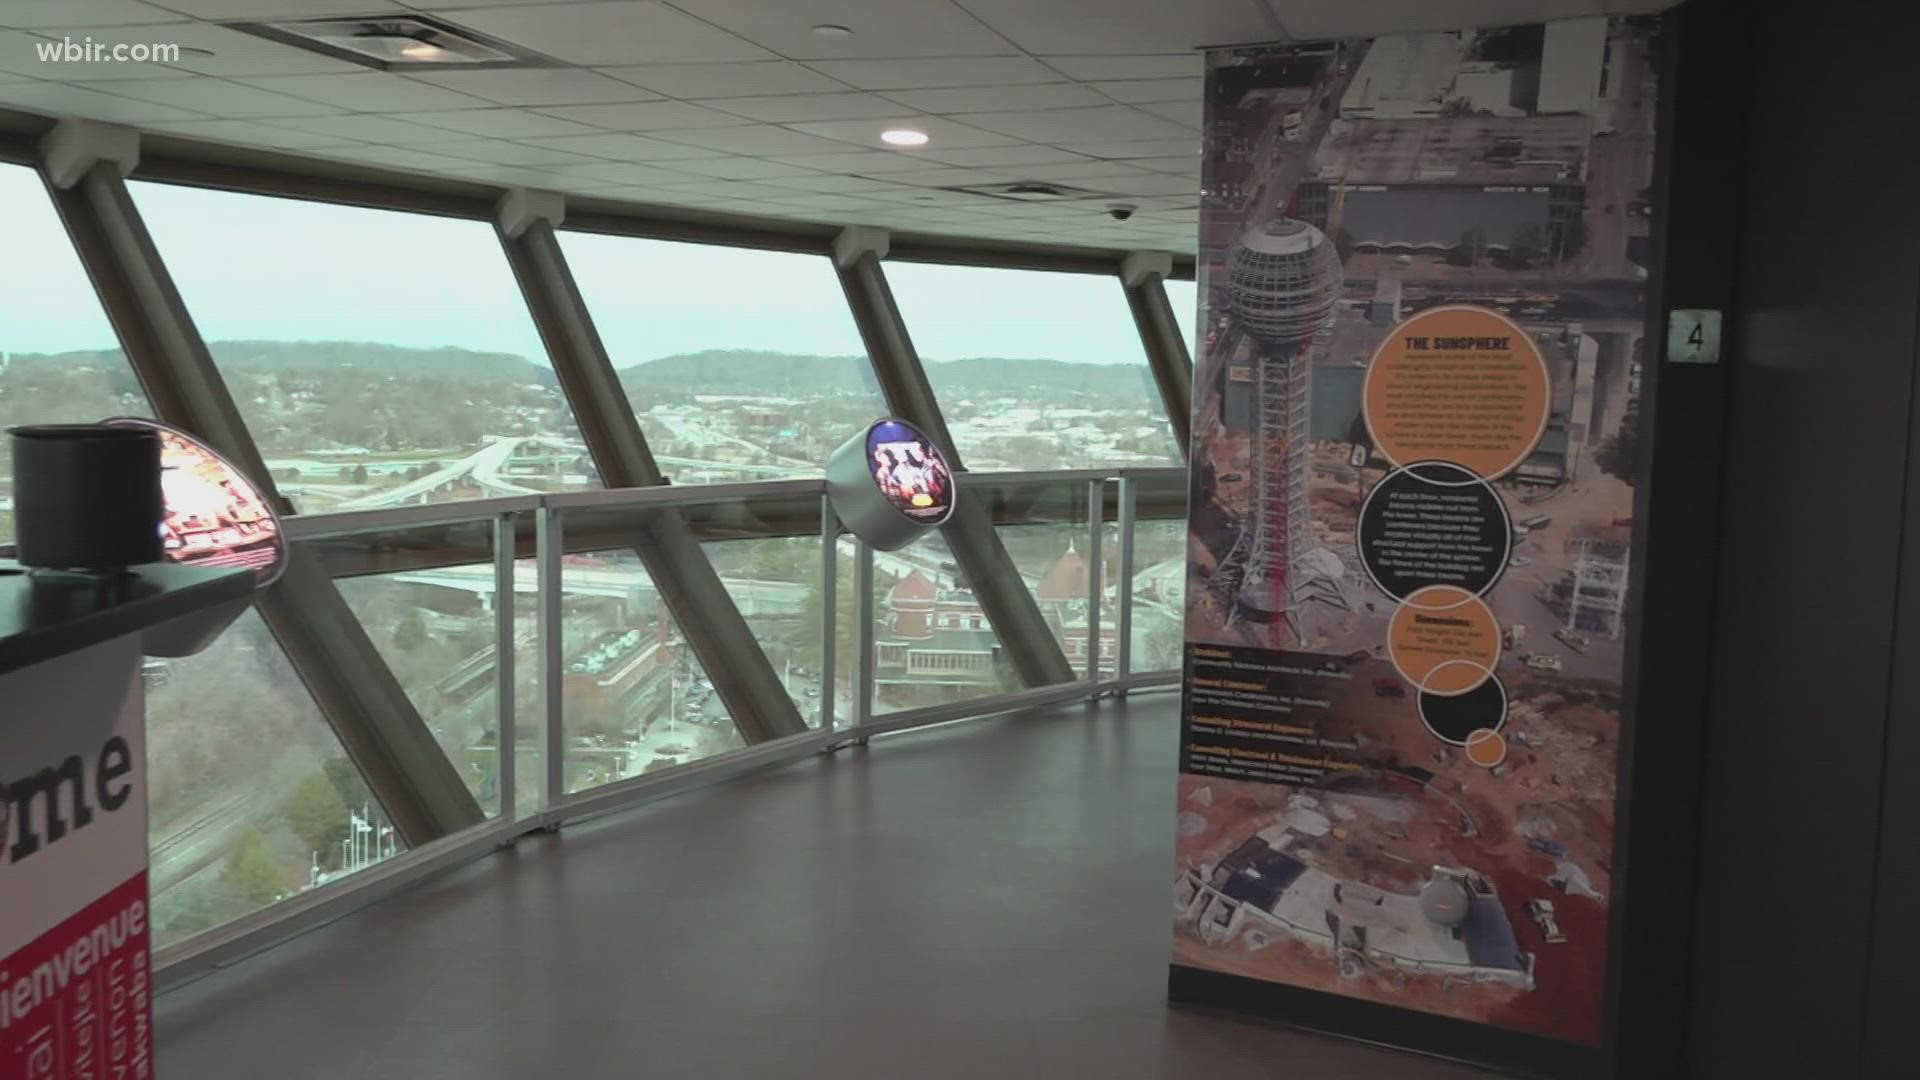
(215, 516)
(910, 473)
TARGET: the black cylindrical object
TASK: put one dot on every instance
(86, 496)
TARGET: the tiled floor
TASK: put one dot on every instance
(980, 900)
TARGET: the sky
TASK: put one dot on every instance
(251, 266)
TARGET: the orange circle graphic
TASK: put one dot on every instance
(1444, 640)
(1486, 748)
(1460, 384)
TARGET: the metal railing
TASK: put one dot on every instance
(546, 528)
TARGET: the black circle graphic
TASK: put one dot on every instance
(1453, 717)
(1434, 523)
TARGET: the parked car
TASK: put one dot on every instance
(1389, 687)
(1575, 641)
(1543, 662)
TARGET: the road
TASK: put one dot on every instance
(1619, 164)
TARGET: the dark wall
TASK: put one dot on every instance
(1814, 674)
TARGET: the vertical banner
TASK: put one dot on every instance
(75, 977)
(1422, 272)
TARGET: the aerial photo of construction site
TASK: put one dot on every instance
(1351, 186)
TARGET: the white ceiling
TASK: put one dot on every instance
(737, 104)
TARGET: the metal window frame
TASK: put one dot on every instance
(1167, 354)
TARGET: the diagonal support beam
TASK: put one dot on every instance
(717, 632)
(969, 533)
(377, 725)
(1144, 275)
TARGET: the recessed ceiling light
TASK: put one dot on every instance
(903, 137)
(833, 30)
(422, 50)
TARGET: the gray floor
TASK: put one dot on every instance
(979, 900)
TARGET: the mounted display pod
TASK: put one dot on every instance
(213, 516)
(890, 484)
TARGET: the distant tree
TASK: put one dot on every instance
(252, 872)
(412, 631)
(1619, 455)
(359, 474)
(1528, 247)
(317, 814)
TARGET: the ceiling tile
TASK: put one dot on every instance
(643, 115)
(502, 152)
(618, 173)
(990, 156)
(18, 54)
(374, 129)
(368, 91)
(611, 33)
(1173, 65)
(942, 132)
(501, 123)
(785, 108)
(39, 14)
(217, 97)
(62, 99)
(997, 98)
(758, 139)
(739, 168)
(1315, 19)
(1141, 184)
(934, 71)
(1180, 112)
(1079, 27)
(747, 79)
(826, 201)
(538, 86)
(949, 176)
(1179, 166)
(621, 147)
(1137, 91)
(1059, 126)
(401, 157)
(871, 161)
(1138, 148)
(839, 185)
(734, 189)
(1069, 172)
(881, 28)
(250, 133)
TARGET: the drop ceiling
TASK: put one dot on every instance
(736, 105)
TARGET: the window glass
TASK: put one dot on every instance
(1034, 369)
(1159, 594)
(378, 358)
(59, 360)
(251, 800)
(776, 584)
(434, 628)
(928, 649)
(740, 364)
(634, 699)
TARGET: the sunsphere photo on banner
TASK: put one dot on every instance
(1422, 278)
(910, 472)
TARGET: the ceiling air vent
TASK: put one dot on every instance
(394, 42)
(1030, 191)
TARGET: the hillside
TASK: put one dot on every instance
(308, 357)
(718, 371)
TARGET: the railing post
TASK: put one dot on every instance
(548, 544)
(505, 698)
(829, 609)
(863, 663)
(1096, 573)
(1123, 591)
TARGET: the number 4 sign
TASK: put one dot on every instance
(1693, 336)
